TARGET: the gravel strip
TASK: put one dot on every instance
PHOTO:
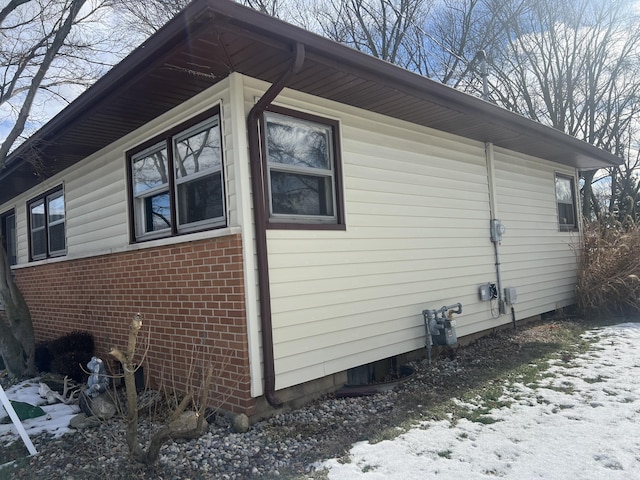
(284, 446)
(281, 447)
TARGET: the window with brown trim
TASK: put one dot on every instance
(566, 201)
(176, 181)
(47, 225)
(9, 240)
(302, 169)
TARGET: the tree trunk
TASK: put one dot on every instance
(168, 431)
(17, 340)
(587, 195)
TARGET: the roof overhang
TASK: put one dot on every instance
(212, 38)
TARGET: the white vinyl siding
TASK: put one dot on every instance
(416, 237)
(97, 219)
(537, 259)
(417, 216)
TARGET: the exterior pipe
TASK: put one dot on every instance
(493, 205)
(501, 302)
(260, 222)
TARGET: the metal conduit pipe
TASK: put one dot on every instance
(493, 205)
(260, 221)
(501, 304)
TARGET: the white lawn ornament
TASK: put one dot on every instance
(16, 422)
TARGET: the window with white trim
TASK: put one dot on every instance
(302, 167)
(566, 201)
(177, 182)
(47, 230)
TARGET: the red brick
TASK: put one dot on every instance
(182, 291)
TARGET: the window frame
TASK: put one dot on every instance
(334, 175)
(12, 256)
(44, 200)
(168, 141)
(565, 227)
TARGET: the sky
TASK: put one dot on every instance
(582, 423)
(100, 28)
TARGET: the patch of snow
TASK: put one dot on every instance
(55, 422)
(584, 422)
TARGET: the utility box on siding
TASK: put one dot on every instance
(510, 295)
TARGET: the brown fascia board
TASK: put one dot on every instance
(198, 13)
(334, 53)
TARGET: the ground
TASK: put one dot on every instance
(440, 392)
(577, 417)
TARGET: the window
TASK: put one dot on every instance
(8, 221)
(302, 169)
(566, 199)
(47, 225)
(176, 183)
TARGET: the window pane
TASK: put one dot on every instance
(37, 215)
(55, 208)
(150, 171)
(38, 243)
(565, 214)
(10, 239)
(563, 190)
(198, 152)
(301, 194)
(200, 199)
(157, 212)
(301, 144)
(56, 238)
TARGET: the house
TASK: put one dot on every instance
(284, 208)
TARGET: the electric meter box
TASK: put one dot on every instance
(497, 230)
(485, 292)
(510, 295)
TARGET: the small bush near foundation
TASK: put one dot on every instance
(609, 269)
(42, 357)
(66, 355)
(76, 341)
(71, 364)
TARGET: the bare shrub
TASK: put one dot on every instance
(609, 268)
(171, 429)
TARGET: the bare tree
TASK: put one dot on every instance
(382, 28)
(575, 66)
(446, 45)
(172, 428)
(270, 7)
(43, 51)
(145, 17)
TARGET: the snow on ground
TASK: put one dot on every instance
(582, 423)
(55, 422)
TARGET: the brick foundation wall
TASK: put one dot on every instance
(191, 296)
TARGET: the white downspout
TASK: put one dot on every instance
(493, 206)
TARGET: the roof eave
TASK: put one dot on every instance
(192, 22)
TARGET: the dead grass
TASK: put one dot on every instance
(609, 269)
(476, 375)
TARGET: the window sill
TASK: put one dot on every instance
(305, 226)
